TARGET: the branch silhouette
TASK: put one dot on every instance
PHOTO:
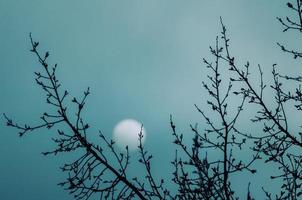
(101, 170)
(83, 181)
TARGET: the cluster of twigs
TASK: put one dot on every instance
(292, 24)
(101, 170)
(200, 177)
(88, 174)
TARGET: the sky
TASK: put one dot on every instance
(142, 60)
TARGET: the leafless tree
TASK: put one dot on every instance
(94, 171)
(101, 170)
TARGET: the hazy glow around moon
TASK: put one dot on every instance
(126, 133)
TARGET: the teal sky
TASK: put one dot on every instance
(141, 59)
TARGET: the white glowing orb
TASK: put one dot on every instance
(126, 133)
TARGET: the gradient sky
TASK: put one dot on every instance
(141, 59)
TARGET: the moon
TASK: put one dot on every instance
(125, 133)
